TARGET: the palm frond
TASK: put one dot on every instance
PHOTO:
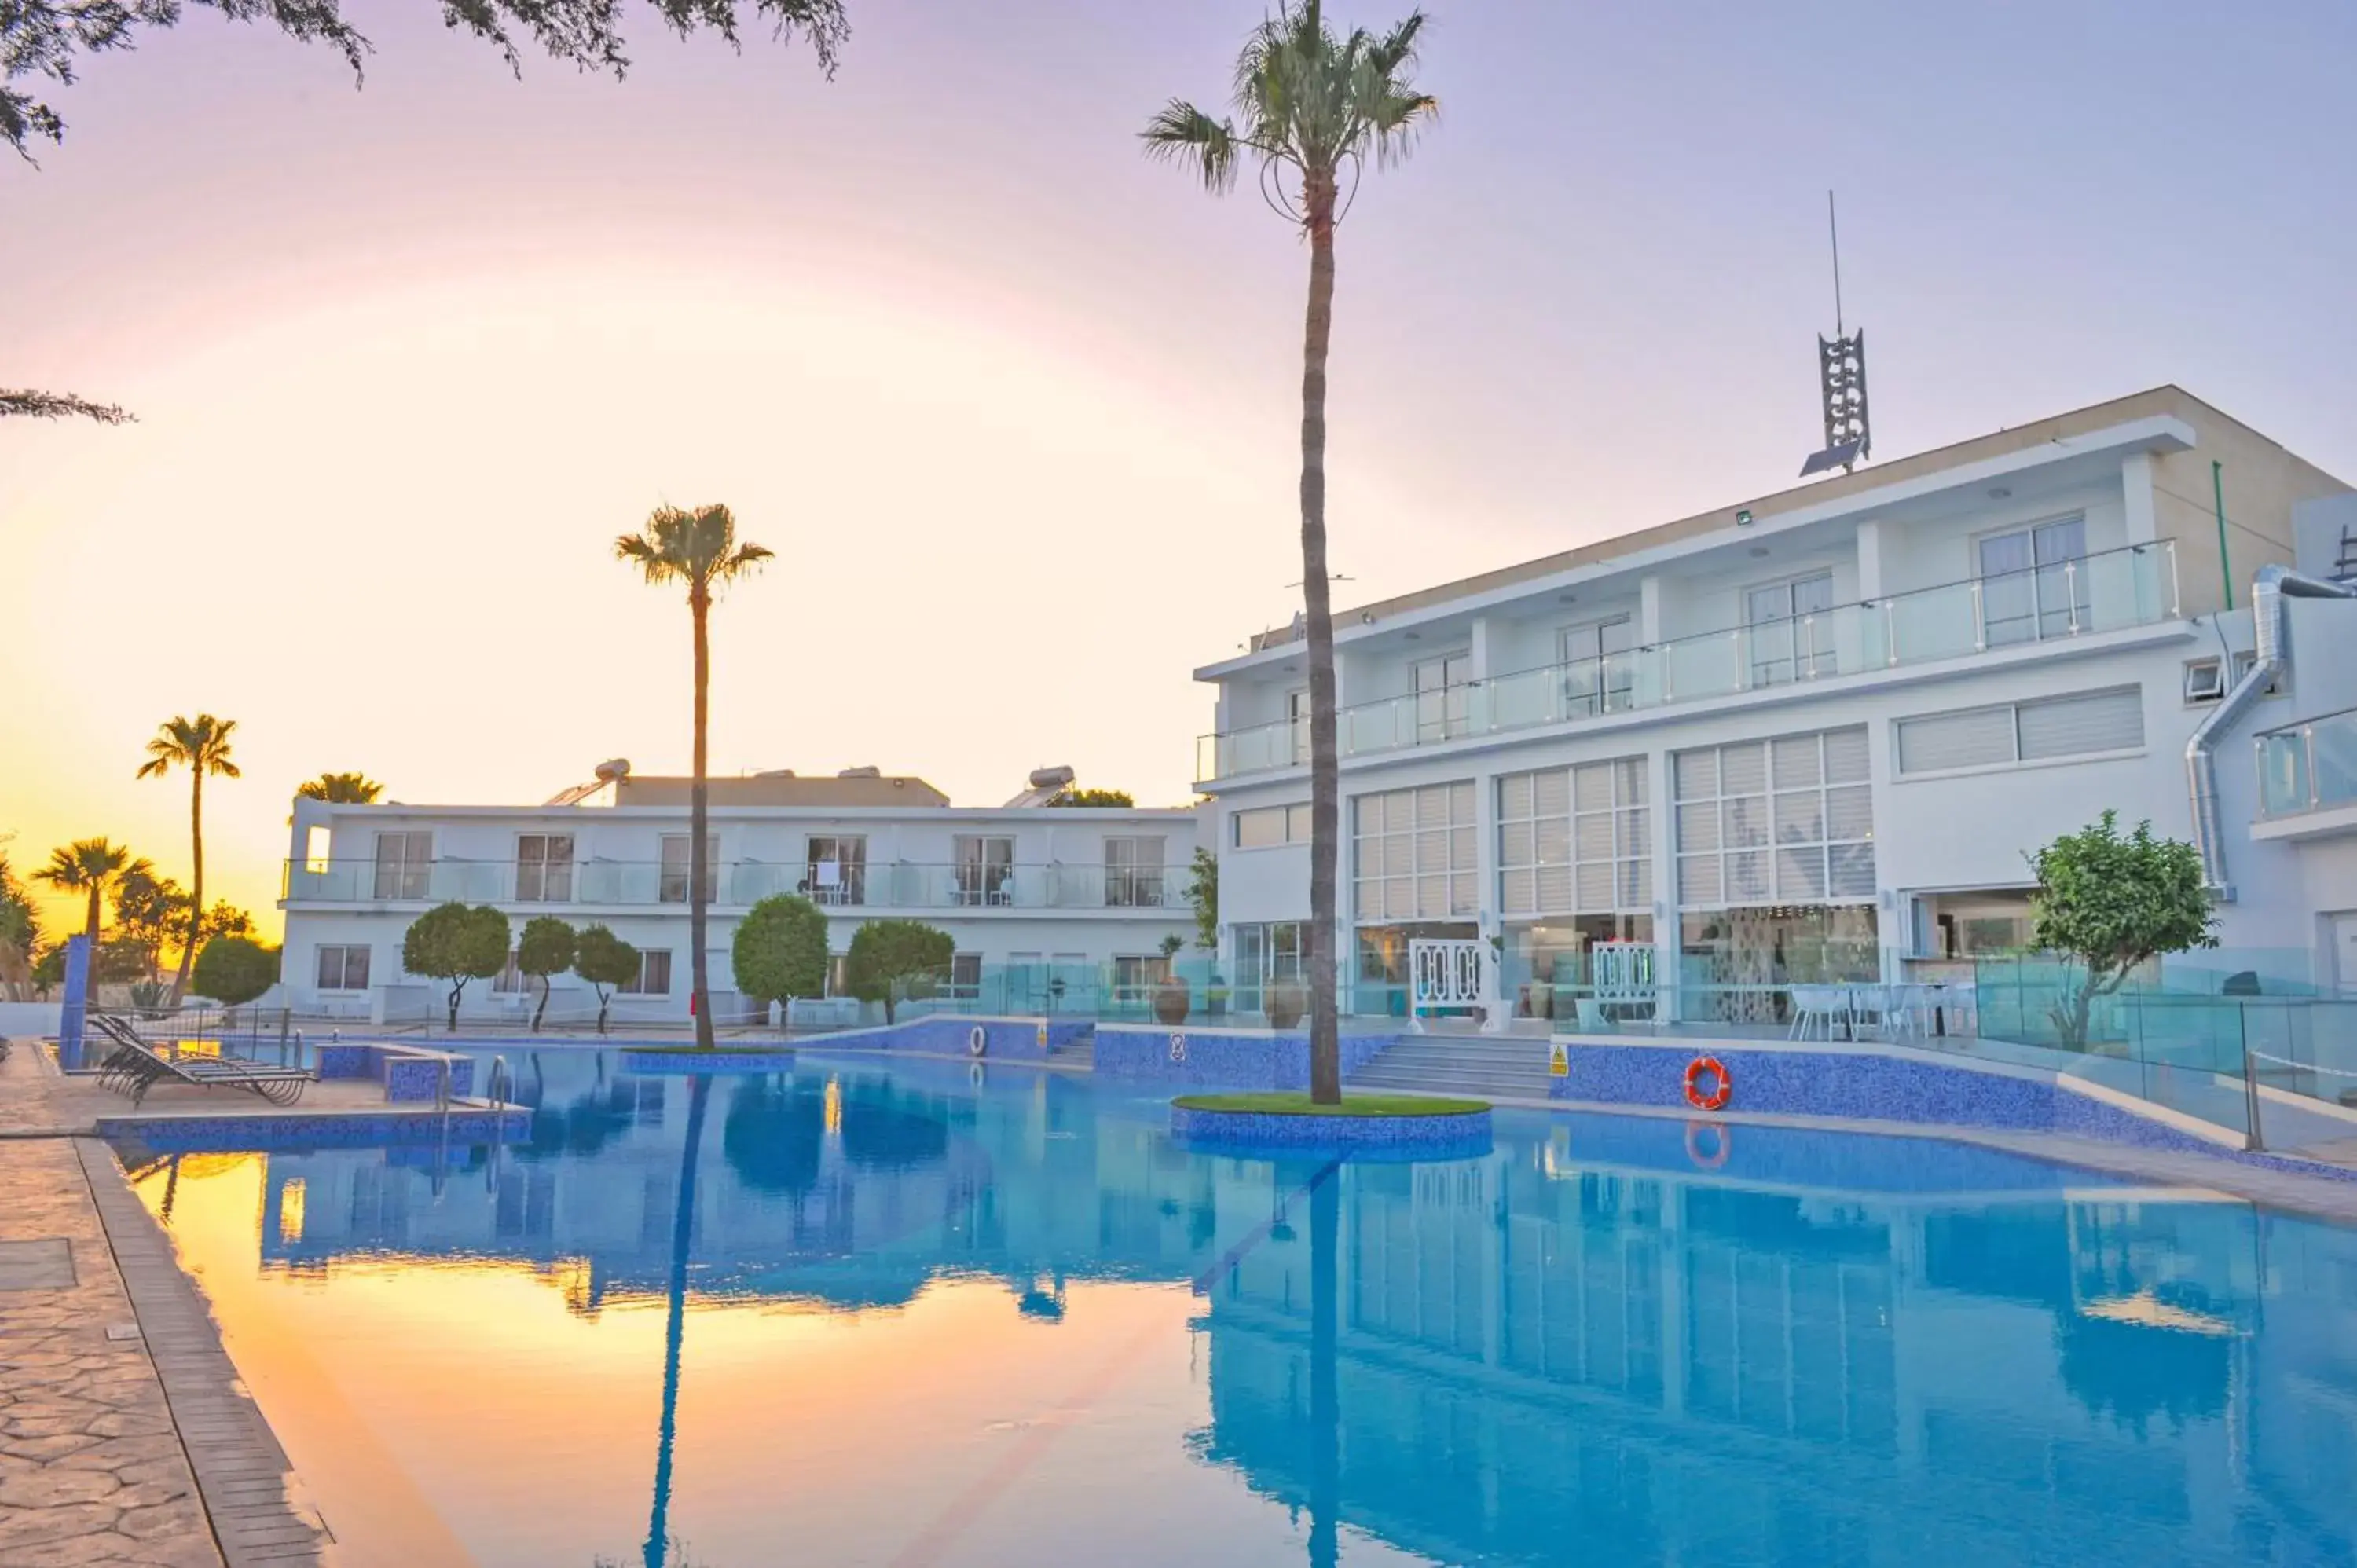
(1181, 134)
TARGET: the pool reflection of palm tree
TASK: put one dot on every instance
(1325, 1399)
(682, 1231)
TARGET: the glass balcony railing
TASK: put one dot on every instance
(2128, 587)
(889, 885)
(2309, 766)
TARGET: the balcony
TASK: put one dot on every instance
(894, 886)
(2308, 773)
(2107, 592)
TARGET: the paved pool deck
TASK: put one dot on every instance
(126, 1435)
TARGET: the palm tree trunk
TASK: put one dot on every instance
(1324, 784)
(699, 601)
(89, 927)
(197, 881)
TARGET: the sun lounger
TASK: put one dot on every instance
(136, 1067)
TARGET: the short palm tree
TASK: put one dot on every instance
(93, 868)
(699, 549)
(201, 745)
(1311, 109)
(341, 789)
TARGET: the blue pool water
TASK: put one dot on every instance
(913, 1315)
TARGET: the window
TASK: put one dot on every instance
(1440, 696)
(2081, 724)
(985, 869)
(1792, 630)
(1575, 840)
(966, 976)
(316, 846)
(544, 868)
(1789, 820)
(2030, 581)
(1269, 952)
(1264, 827)
(653, 978)
(677, 850)
(405, 864)
(344, 968)
(838, 870)
(1414, 857)
(2205, 681)
(1297, 723)
(1135, 975)
(1598, 670)
(1132, 873)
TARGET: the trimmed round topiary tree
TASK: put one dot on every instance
(605, 960)
(779, 950)
(544, 948)
(456, 943)
(885, 950)
(234, 970)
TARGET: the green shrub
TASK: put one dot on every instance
(544, 948)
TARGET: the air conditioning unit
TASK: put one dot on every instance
(2205, 680)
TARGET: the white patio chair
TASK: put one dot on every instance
(1814, 1008)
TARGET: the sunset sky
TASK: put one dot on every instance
(1016, 408)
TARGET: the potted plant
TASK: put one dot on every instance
(1171, 997)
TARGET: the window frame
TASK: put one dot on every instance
(1821, 657)
(408, 870)
(850, 888)
(670, 882)
(2036, 572)
(637, 984)
(343, 986)
(1293, 814)
(1135, 884)
(553, 879)
(1901, 773)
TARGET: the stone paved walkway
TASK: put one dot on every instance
(92, 1467)
(126, 1436)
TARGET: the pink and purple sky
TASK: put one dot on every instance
(1016, 408)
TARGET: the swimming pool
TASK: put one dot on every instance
(927, 1314)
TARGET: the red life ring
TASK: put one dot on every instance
(1711, 1162)
(1717, 1099)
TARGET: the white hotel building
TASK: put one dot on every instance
(1082, 895)
(1815, 736)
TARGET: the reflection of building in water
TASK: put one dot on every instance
(1521, 1358)
(1526, 1345)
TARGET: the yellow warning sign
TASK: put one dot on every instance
(1559, 1061)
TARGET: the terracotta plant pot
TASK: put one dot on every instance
(1171, 1000)
(1286, 1004)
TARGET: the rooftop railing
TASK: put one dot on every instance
(2136, 585)
(2309, 766)
(896, 884)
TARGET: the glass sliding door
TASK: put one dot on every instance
(2032, 582)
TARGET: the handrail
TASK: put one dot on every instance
(1842, 639)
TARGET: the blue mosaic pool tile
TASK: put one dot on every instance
(1465, 1136)
(298, 1130)
(1220, 1059)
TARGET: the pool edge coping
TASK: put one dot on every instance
(232, 1449)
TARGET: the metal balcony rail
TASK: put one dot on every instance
(2114, 589)
(893, 885)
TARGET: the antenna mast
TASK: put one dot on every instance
(1841, 380)
(1833, 229)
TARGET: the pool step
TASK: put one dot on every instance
(1463, 1064)
(1080, 1053)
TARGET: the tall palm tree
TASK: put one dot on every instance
(1311, 108)
(201, 745)
(699, 548)
(93, 868)
(341, 789)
